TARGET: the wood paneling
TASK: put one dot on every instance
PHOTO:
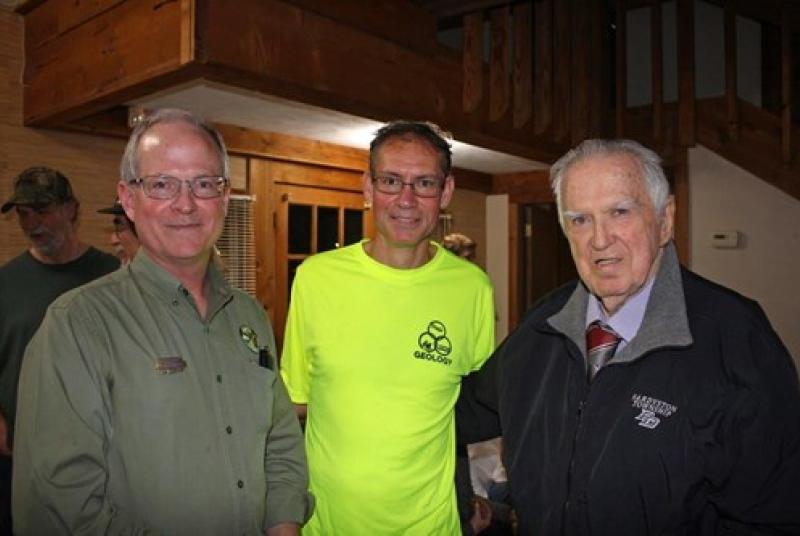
(686, 63)
(524, 187)
(53, 19)
(562, 69)
(621, 97)
(403, 23)
(263, 188)
(657, 75)
(499, 80)
(308, 175)
(731, 86)
(543, 89)
(472, 62)
(68, 75)
(292, 148)
(580, 69)
(523, 65)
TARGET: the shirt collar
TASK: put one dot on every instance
(166, 287)
(627, 320)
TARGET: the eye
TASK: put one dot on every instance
(205, 183)
(389, 181)
(426, 183)
(619, 212)
(160, 183)
(578, 220)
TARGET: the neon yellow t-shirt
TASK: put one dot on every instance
(378, 354)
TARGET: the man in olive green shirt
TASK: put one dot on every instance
(149, 401)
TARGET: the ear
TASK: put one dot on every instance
(367, 188)
(667, 222)
(125, 195)
(447, 191)
(226, 197)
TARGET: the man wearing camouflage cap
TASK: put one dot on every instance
(56, 261)
(123, 239)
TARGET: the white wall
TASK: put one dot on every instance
(767, 265)
(497, 258)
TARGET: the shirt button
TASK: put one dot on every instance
(219, 378)
(229, 430)
(240, 484)
(175, 303)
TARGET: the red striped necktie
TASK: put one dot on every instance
(601, 343)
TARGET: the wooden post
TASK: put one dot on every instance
(686, 61)
(499, 86)
(523, 64)
(622, 69)
(562, 69)
(657, 59)
(731, 84)
(543, 89)
(473, 61)
(786, 87)
(581, 41)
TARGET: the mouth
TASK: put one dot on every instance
(405, 220)
(607, 261)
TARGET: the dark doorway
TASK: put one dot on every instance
(546, 262)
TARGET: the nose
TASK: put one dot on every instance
(407, 197)
(601, 236)
(184, 201)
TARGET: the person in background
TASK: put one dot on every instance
(149, 400)
(460, 245)
(480, 475)
(123, 237)
(378, 337)
(641, 399)
(55, 261)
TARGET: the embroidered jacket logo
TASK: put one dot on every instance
(650, 407)
(434, 344)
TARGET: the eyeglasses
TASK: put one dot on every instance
(421, 186)
(168, 187)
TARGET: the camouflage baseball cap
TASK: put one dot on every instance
(39, 186)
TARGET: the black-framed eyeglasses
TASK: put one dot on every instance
(168, 187)
(421, 186)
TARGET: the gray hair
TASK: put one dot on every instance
(648, 161)
(129, 166)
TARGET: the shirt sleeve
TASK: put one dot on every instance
(484, 327)
(63, 427)
(294, 357)
(288, 499)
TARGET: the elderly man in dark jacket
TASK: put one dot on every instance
(642, 399)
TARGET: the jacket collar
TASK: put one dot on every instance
(665, 321)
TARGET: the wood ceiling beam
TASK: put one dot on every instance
(84, 59)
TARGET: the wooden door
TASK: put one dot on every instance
(309, 221)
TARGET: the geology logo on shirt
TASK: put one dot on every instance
(434, 344)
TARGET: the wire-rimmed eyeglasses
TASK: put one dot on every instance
(168, 187)
(421, 186)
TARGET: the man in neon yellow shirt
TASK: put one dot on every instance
(378, 338)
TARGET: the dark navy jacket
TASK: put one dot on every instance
(693, 428)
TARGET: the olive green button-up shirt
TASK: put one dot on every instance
(137, 416)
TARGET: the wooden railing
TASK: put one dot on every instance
(562, 66)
